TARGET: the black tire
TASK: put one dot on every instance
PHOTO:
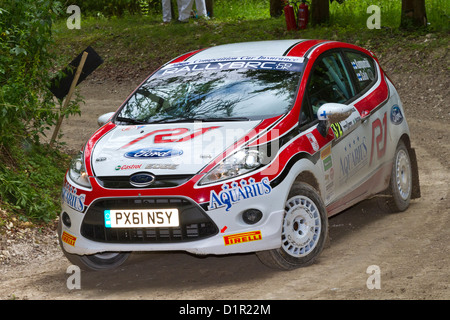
(304, 232)
(97, 262)
(397, 197)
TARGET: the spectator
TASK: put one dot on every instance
(167, 10)
(185, 7)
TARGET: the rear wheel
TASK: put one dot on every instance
(304, 231)
(97, 262)
(400, 185)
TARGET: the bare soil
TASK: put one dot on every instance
(411, 248)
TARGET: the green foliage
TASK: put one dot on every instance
(342, 13)
(241, 10)
(353, 13)
(28, 173)
(109, 8)
(27, 106)
(30, 181)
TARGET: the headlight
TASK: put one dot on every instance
(237, 164)
(77, 171)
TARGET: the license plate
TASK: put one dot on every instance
(141, 218)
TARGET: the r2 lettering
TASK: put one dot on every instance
(379, 135)
(172, 135)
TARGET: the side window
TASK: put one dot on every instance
(329, 82)
(363, 67)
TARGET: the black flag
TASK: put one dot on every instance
(60, 86)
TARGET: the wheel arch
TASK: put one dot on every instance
(308, 177)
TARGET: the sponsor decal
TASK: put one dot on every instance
(362, 76)
(396, 114)
(128, 167)
(325, 155)
(128, 128)
(242, 237)
(355, 157)
(236, 192)
(329, 184)
(327, 163)
(337, 129)
(250, 63)
(153, 153)
(69, 239)
(69, 195)
(167, 166)
(325, 152)
(361, 64)
(313, 141)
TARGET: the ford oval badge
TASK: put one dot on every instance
(153, 153)
(141, 180)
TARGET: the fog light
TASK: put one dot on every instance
(66, 220)
(251, 216)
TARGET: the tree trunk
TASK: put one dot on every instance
(210, 8)
(320, 12)
(414, 14)
(276, 8)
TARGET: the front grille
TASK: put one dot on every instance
(194, 223)
(161, 181)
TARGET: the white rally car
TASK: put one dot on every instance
(246, 147)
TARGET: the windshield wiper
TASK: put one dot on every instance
(178, 120)
(131, 121)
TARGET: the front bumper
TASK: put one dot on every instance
(201, 231)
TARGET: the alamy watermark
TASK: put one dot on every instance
(374, 21)
(374, 280)
(74, 21)
(74, 280)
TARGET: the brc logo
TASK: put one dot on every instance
(380, 138)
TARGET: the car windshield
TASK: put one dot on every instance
(225, 90)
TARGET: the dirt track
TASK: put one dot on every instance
(411, 249)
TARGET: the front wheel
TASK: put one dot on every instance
(304, 231)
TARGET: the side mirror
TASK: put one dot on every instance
(330, 113)
(104, 118)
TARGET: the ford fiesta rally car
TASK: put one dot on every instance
(246, 147)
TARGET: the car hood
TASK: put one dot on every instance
(164, 149)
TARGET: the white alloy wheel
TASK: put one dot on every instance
(301, 227)
(304, 231)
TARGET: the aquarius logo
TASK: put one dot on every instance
(239, 191)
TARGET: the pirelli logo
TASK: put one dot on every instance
(242, 237)
(69, 239)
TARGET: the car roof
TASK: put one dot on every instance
(254, 48)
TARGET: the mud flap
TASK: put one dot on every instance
(415, 194)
